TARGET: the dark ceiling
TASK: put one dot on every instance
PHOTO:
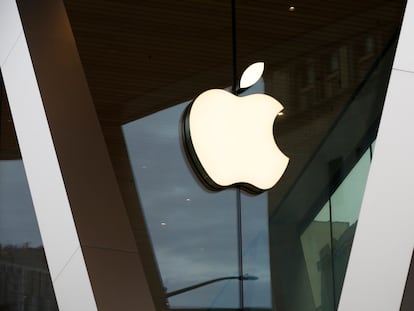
(143, 56)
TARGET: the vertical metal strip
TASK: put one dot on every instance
(234, 45)
(235, 87)
(240, 248)
(334, 297)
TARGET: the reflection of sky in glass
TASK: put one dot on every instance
(314, 239)
(193, 231)
(256, 251)
(345, 204)
(18, 223)
(347, 199)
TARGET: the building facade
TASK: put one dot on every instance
(100, 208)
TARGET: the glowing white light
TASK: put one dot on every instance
(251, 75)
(233, 138)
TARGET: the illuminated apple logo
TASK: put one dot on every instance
(229, 138)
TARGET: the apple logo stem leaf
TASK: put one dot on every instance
(251, 75)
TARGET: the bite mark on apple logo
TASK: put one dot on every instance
(229, 138)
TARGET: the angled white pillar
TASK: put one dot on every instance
(90, 248)
(384, 239)
(57, 228)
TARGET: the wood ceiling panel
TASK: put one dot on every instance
(132, 49)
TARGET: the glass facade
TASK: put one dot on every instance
(25, 282)
(327, 239)
(328, 66)
(192, 230)
(311, 232)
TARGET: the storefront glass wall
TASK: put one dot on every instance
(320, 63)
(328, 66)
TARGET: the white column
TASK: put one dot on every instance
(60, 240)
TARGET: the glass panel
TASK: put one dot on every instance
(346, 202)
(332, 88)
(316, 245)
(257, 292)
(193, 231)
(25, 282)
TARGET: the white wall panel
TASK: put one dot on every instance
(42, 169)
(73, 283)
(404, 59)
(10, 27)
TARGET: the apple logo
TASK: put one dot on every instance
(229, 138)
